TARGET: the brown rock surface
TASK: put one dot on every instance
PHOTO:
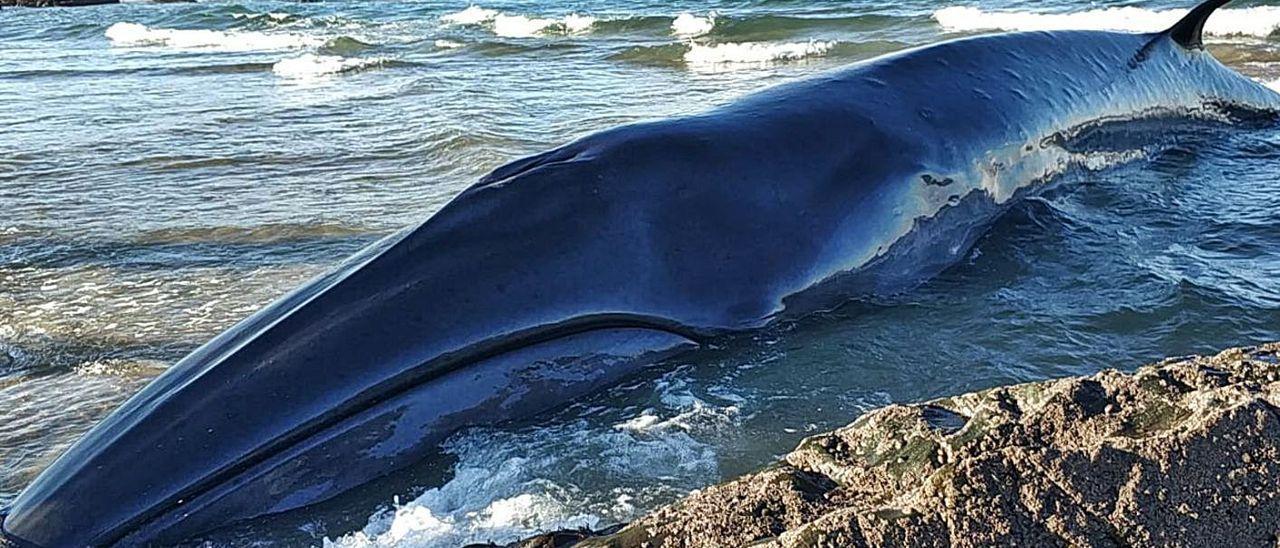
(1181, 453)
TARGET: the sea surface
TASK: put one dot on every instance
(167, 169)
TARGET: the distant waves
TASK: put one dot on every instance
(753, 53)
(307, 65)
(520, 26)
(1258, 22)
(706, 41)
(135, 35)
(310, 65)
(329, 55)
(684, 26)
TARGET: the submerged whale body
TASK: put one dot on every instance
(564, 272)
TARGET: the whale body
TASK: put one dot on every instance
(564, 272)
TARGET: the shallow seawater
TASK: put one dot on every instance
(166, 170)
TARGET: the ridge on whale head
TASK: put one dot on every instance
(563, 272)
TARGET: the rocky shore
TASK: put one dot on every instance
(1185, 452)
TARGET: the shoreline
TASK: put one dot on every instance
(1182, 452)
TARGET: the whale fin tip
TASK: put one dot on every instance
(1188, 32)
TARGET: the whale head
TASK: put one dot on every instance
(338, 383)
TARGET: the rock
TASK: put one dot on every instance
(1181, 453)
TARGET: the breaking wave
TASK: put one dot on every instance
(473, 15)
(753, 53)
(512, 485)
(134, 34)
(520, 26)
(1257, 21)
(688, 25)
(310, 65)
(508, 486)
(277, 17)
(727, 27)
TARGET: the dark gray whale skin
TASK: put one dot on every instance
(562, 273)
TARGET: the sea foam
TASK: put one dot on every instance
(473, 15)
(753, 53)
(688, 25)
(134, 34)
(1256, 21)
(508, 486)
(452, 515)
(511, 485)
(310, 65)
(272, 16)
(520, 26)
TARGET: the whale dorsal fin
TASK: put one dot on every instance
(1188, 32)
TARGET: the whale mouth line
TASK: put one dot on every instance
(389, 389)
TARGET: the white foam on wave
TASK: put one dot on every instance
(134, 34)
(520, 26)
(455, 515)
(1256, 21)
(274, 16)
(688, 25)
(448, 44)
(310, 65)
(473, 15)
(753, 53)
(699, 416)
(511, 485)
(578, 23)
(1274, 84)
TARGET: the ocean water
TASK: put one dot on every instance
(165, 170)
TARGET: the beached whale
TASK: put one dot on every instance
(561, 273)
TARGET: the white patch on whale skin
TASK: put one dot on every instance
(1259, 21)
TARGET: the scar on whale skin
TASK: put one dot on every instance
(931, 180)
